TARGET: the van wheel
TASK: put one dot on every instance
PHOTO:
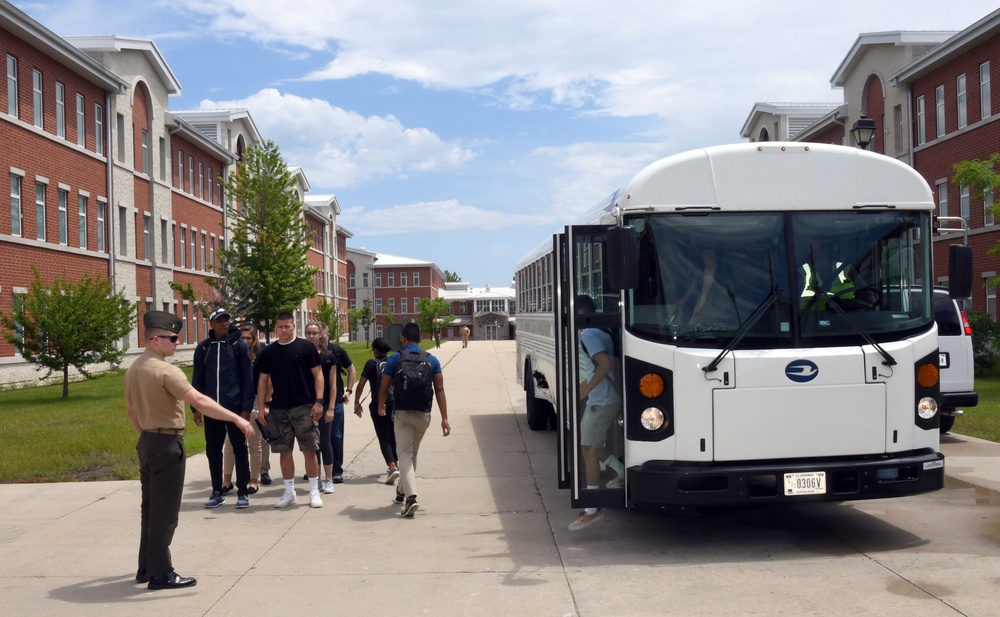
(947, 422)
(539, 411)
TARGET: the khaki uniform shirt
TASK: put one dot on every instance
(154, 387)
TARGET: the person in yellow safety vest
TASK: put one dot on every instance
(814, 294)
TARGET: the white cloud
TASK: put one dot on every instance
(341, 148)
(439, 216)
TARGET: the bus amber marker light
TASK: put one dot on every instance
(927, 407)
(651, 385)
(927, 376)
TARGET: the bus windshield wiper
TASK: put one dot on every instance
(888, 359)
(751, 321)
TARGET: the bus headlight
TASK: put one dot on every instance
(652, 419)
(927, 407)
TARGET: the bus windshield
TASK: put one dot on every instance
(781, 279)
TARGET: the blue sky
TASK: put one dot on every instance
(466, 132)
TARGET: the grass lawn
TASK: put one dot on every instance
(46, 438)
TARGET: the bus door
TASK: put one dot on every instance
(589, 385)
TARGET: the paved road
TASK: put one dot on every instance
(490, 538)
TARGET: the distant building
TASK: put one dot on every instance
(487, 311)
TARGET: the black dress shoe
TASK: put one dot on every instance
(265, 479)
(170, 580)
(227, 489)
(141, 576)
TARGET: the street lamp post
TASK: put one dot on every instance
(863, 131)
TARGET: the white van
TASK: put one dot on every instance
(956, 361)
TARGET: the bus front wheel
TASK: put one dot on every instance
(539, 411)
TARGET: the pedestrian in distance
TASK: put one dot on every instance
(416, 380)
(290, 370)
(223, 371)
(155, 393)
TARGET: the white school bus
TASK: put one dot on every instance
(774, 339)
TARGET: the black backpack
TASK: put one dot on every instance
(413, 382)
(379, 371)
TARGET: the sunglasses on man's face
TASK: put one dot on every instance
(172, 338)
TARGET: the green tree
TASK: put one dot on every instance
(981, 177)
(434, 313)
(362, 317)
(452, 277)
(390, 317)
(76, 324)
(985, 333)
(327, 313)
(264, 267)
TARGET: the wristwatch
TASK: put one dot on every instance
(321, 401)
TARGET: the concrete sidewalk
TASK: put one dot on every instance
(485, 540)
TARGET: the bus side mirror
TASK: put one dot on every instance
(623, 258)
(959, 271)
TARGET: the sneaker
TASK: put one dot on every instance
(410, 508)
(392, 477)
(616, 482)
(338, 478)
(288, 499)
(586, 520)
(215, 500)
(327, 487)
(399, 497)
(265, 479)
(315, 501)
(242, 501)
(305, 477)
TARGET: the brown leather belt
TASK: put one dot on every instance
(164, 431)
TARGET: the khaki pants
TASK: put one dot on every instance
(410, 427)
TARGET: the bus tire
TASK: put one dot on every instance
(947, 422)
(538, 411)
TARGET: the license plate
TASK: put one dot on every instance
(806, 483)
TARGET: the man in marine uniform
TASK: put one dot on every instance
(155, 393)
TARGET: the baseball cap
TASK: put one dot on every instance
(217, 313)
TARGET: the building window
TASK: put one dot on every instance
(147, 245)
(351, 278)
(15, 205)
(12, 93)
(939, 107)
(100, 225)
(985, 100)
(63, 217)
(364, 279)
(164, 160)
(36, 95)
(164, 254)
(81, 121)
(897, 127)
(193, 264)
(988, 207)
(991, 301)
(211, 190)
(942, 192)
(402, 279)
(40, 211)
(378, 280)
(120, 119)
(211, 253)
(963, 117)
(402, 306)
(122, 232)
(60, 110)
(963, 203)
(191, 175)
(201, 180)
(147, 162)
(98, 129)
(416, 279)
(180, 169)
(378, 306)
(82, 200)
(203, 234)
(183, 246)
(392, 305)
(392, 279)
(921, 122)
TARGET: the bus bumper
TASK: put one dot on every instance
(844, 479)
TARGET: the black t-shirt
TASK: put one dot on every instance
(290, 367)
(342, 362)
(370, 372)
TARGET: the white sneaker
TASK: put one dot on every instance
(327, 486)
(392, 477)
(586, 520)
(288, 499)
(315, 501)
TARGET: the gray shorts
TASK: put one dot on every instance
(295, 423)
(597, 419)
